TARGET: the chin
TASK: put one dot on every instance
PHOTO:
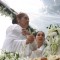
(25, 27)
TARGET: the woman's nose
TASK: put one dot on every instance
(40, 36)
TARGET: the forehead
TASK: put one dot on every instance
(25, 17)
(41, 33)
(31, 36)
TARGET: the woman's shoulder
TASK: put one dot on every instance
(14, 27)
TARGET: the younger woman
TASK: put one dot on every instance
(40, 39)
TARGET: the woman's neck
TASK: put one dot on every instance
(39, 45)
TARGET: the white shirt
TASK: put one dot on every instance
(38, 52)
(30, 47)
(13, 38)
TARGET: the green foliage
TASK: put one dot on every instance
(32, 31)
(9, 56)
(53, 40)
(5, 10)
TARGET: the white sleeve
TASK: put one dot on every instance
(38, 52)
(17, 33)
(18, 38)
(17, 45)
(30, 47)
(13, 30)
(13, 39)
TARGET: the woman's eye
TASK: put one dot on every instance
(42, 35)
(38, 34)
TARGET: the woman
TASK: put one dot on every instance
(16, 33)
(40, 39)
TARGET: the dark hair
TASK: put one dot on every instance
(35, 33)
(20, 15)
(38, 32)
(14, 21)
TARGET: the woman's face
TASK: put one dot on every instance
(24, 22)
(40, 37)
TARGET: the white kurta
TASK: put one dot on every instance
(38, 52)
(31, 47)
(13, 38)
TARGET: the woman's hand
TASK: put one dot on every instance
(25, 31)
(30, 39)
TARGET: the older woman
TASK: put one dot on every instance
(16, 33)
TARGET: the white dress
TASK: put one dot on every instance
(38, 53)
(14, 40)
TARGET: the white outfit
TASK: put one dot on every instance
(30, 47)
(38, 52)
(15, 40)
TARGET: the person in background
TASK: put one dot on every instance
(40, 40)
(17, 33)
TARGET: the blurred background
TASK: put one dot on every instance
(42, 13)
